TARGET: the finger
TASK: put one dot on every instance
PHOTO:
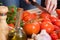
(48, 4)
(55, 6)
(50, 7)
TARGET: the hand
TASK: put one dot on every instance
(29, 2)
(51, 5)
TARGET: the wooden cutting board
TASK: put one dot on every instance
(38, 11)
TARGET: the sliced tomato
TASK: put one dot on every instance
(26, 16)
(53, 19)
(56, 28)
(25, 13)
(59, 34)
(57, 23)
(44, 15)
(34, 15)
(48, 26)
(46, 19)
(54, 36)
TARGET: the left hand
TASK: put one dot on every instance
(51, 5)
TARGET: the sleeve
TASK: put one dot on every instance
(11, 2)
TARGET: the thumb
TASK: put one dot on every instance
(34, 0)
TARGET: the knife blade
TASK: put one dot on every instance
(38, 6)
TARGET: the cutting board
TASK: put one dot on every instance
(38, 11)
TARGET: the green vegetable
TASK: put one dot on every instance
(11, 15)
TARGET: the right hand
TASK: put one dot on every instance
(27, 1)
(51, 5)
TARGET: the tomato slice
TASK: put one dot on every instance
(48, 26)
(44, 15)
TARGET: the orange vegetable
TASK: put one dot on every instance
(31, 27)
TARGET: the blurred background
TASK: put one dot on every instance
(42, 3)
(23, 4)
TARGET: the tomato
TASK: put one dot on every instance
(31, 27)
(53, 19)
(48, 26)
(34, 15)
(46, 19)
(57, 23)
(58, 11)
(26, 16)
(44, 15)
(59, 34)
(56, 28)
(25, 13)
(54, 36)
(11, 25)
(59, 16)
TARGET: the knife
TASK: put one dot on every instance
(38, 6)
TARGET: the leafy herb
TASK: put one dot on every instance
(11, 14)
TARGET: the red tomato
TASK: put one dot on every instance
(31, 27)
(53, 19)
(46, 19)
(58, 11)
(54, 36)
(26, 16)
(11, 25)
(57, 23)
(59, 16)
(44, 15)
(48, 26)
(56, 28)
(25, 13)
(34, 15)
(59, 34)
(39, 20)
